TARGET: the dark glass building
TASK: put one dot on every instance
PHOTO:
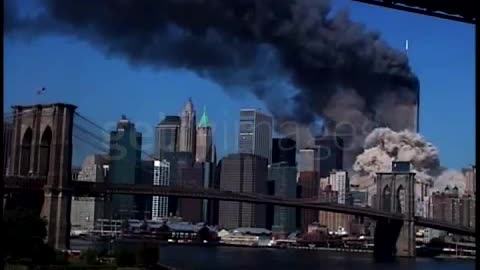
(243, 173)
(308, 183)
(144, 202)
(285, 179)
(167, 135)
(125, 165)
(191, 209)
(201, 175)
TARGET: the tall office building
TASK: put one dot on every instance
(416, 113)
(85, 210)
(167, 135)
(210, 207)
(333, 221)
(7, 144)
(200, 175)
(269, 207)
(187, 129)
(450, 207)
(143, 203)
(243, 173)
(471, 179)
(306, 160)
(337, 191)
(191, 209)
(284, 150)
(308, 183)
(285, 185)
(339, 182)
(214, 154)
(329, 155)
(125, 165)
(204, 140)
(161, 177)
(255, 133)
(177, 161)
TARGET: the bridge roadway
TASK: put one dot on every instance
(92, 189)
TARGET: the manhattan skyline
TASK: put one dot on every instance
(105, 87)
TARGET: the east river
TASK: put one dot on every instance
(185, 257)
(239, 258)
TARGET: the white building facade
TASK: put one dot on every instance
(161, 177)
(339, 182)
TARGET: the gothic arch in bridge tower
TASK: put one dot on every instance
(44, 152)
(386, 196)
(397, 197)
(26, 151)
(400, 199)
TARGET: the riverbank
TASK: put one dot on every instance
(455, 257)
(86, 244)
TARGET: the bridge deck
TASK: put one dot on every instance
(92, 189)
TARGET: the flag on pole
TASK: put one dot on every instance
(41, 91)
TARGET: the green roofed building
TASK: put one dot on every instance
(204, 139)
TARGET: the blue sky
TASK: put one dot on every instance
(441, 52)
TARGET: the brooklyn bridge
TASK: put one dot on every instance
(40, 161)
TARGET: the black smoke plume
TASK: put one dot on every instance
(303, 61)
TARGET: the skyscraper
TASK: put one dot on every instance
(285, 186)
(167, 135)
(191, 209)
(210, 207)
(308, 183)
(243, 173)
(200, 175)
(177, 161)
(471, 177)
(306, 160)
(85, 210)
(337, 191)
(143, 203)
(339, 182)
(255, 133)
(187, 128)
(450, 207)
(329, 155)
(161, 177)
(284, 150)
(125, 164)
(204, 140)
(416, 125)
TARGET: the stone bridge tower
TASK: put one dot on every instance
(395, 194)
(42, 149)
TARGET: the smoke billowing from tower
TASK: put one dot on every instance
(304, 62)
(383, 145)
